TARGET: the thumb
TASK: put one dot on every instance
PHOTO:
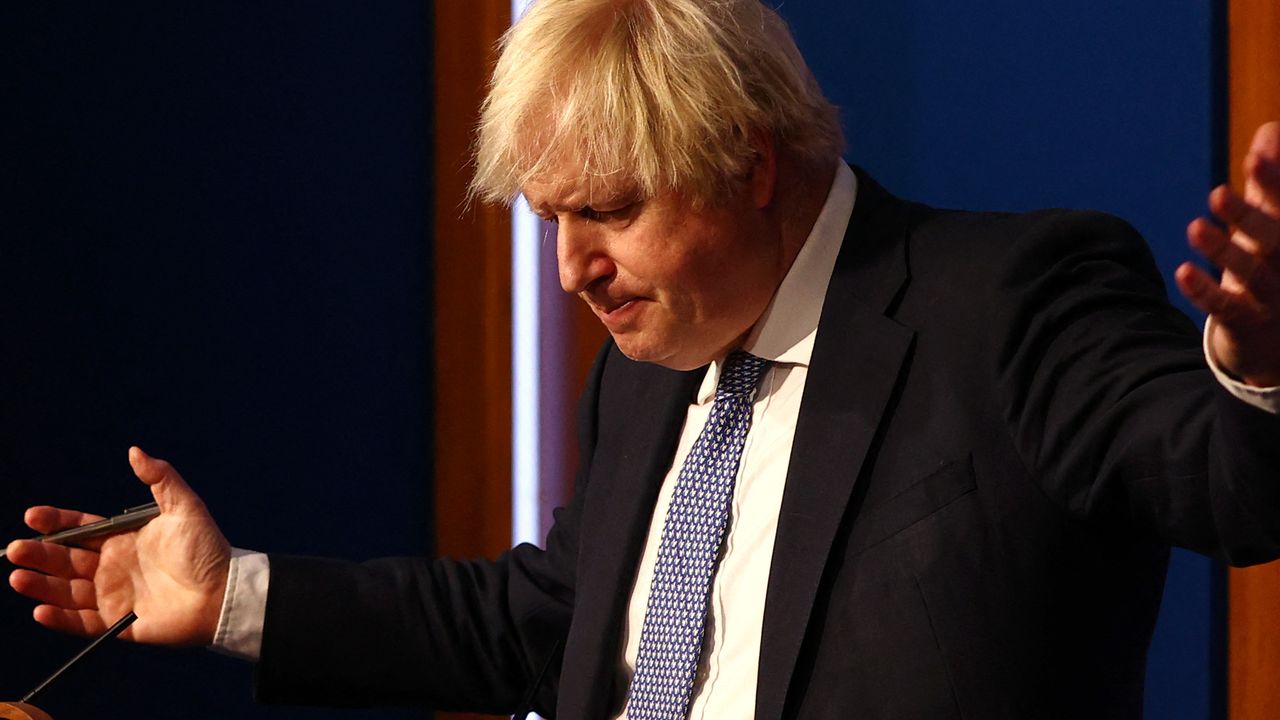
(171, 492)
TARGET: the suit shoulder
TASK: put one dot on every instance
(942, 228)
(996, 249)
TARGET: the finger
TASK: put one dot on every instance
(1214, 244)
(1261, 231)
(44, 519)
(52, 559)
(1262, 169)
(76, 622)
(1208, 296)
(1263, 181)
(68, 594)
(171, 492)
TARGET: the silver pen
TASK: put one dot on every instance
(130, 519)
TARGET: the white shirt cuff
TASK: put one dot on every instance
(1266, 399)
(244, 606)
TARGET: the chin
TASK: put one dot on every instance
(646, 350)
(641, 353)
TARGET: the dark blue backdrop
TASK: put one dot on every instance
(215, 245)
(1012, 105)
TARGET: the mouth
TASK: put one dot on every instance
(616, 314)
(615, 307)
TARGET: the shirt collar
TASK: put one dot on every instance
(785, 332)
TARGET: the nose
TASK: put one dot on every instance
(580, 255)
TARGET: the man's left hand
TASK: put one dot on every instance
(1245, 303)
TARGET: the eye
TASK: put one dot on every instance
(619, 212)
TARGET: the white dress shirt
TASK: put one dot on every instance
(725, 685)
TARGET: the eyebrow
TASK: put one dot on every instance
(620, 199)
(625, 194)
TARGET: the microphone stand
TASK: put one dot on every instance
(24, 711)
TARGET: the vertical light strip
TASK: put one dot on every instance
(524, 364)
(526, 240)
(524, 373)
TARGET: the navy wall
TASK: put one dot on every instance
(1013, 105)
(215, 245)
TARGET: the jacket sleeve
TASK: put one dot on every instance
(1110, 403)
(454, 635)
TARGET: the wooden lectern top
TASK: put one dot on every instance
(22, 711)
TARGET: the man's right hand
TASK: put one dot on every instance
(172, 572)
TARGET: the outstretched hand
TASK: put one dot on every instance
(1245, 303)
(172, 572)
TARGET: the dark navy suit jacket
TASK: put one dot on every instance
(1004, 428)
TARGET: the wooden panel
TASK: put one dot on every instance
(473, 315)
(1254, 636)
(578, 335)
(588, 334)
(1254, 27)
(472, 300)
(1254, 643)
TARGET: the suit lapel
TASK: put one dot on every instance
(855, 366)
(642, 411)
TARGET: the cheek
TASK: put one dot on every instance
(714, 294)
(732, 274)
(704, 272)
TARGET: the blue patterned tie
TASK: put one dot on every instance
(674, 620)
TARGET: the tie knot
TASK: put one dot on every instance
(740, 374)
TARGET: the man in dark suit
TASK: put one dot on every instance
(947, 489)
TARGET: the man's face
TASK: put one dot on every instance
(674, 284)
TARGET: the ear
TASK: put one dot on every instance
(764, 173)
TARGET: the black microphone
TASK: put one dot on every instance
(113, 631)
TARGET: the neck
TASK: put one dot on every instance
(802, 191)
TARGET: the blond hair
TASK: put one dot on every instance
(655, 94)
